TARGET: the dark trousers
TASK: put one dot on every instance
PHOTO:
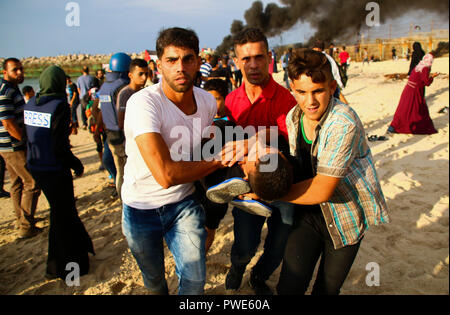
(83, 111)
(308, 241)
(247, 237)
(2, 172)
(238, 78)
(68, 240)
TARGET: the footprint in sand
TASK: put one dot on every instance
(117, 287)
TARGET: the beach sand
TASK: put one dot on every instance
(411, 252)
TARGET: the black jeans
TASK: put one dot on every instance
(308, 241)
(2, 173)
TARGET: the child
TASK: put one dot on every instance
(225, 185)
(214, 212)
(28, 92)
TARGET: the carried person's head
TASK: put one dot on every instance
(219, 89)
(252, 55)
(178, 58)
(270, 177)
(312, 82)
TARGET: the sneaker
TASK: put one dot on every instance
(4, 194)
(23, 234)
(258, 285)
(253, 207)
(233, 280)
(226, 191)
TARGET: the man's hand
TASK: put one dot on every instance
(232, 152)
(249, 196)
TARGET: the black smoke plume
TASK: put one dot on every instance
(332, 19)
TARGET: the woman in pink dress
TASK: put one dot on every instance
(412, 115)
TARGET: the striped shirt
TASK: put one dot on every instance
(340, 150)
(205, 70)
(11, 106)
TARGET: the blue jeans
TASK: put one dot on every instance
(107, 159)
(247, 236)
(74, 112)
(181, 224)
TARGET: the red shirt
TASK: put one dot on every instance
(343, 56)
(269, 109)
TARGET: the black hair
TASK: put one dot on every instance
(214, 61)
(5, 62)
(178, 37)
(141, 63)
(27, 89)
(217, 85)
(272, 185)
(319, 44)
(250, 35)
(85, 69)
(310, 62)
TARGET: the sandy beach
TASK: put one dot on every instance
(412, 251)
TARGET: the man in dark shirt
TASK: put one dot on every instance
(138, 74)
(74, 101)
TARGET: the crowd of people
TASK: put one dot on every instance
(317, 201)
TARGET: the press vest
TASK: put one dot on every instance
(38, 121)
(107, 97)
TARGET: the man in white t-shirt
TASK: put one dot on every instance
(164, 122)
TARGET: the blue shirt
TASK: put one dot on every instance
(11, 106)
(84, 83)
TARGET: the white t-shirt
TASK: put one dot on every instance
(149, 110)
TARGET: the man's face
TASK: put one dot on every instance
(179, 66)
(13, 72)
(100, 74)
(220, 103)
(313, 98)
(253, 59)
(139, 76)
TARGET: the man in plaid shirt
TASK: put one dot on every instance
(339, 194)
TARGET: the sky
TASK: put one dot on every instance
(40, 28)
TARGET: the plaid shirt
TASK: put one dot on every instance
(340, 150)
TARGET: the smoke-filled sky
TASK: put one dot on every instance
(332, 19)
(40, 28)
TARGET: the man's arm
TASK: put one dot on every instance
(121, 105)
(95, 110)
(13, 129)
(166, 171)
(312, 191)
